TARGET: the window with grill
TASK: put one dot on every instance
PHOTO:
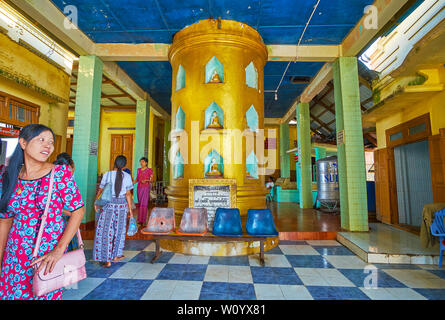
(16, 111)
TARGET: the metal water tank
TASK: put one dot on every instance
(327, 183)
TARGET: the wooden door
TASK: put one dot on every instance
(57, 148)
(382, 188)
(394, 212)
(437, 162)
(69, 146)
(122, 144)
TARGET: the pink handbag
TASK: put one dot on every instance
(68, 270)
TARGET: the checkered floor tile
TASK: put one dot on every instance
(295, 270)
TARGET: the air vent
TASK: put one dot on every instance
(297, 79)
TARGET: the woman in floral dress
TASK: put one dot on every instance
(24, 192)
(143, 178)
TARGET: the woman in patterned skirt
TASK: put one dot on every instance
(24, 192)
(109, 240)
(143, 178)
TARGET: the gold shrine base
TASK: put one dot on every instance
(207, 248)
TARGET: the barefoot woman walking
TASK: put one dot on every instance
(109, 241)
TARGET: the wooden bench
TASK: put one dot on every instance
(207, 237)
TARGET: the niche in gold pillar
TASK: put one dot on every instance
(214, 71)
(178, 166)
(252, 166)
(213, 165)
(180, 78)
(251, 76)
(213, 117)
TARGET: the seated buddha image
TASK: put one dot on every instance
(213, 172)
(214, 122)
(215, 77)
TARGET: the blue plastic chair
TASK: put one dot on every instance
(260, 223)
(438, 230)
(227, 223)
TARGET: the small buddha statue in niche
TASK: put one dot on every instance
(214, 122)
(215, 77)
(214, 172)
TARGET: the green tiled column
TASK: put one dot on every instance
(284, 146)
(166, 167)
(86, 130)
(320, 153)
(305, 151)
(350, 152)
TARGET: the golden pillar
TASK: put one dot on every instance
(218, 62)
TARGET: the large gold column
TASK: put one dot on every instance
(235, 45)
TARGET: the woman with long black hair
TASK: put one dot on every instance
(24, 193)
(109, 240)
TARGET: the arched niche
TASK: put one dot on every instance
(178, 167)
(180, 119)
(252, 76)
(252, 166)
(214, 71)
(213, 165)
(180, 78)
(252, 118)
(213, 117)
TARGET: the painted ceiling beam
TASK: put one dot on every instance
(357, 40)
(159, 52)
(48, 15)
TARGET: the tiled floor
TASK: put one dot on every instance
(387, 244)
(295, 270)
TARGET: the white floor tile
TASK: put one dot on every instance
(128, 270)
(199, 260)
(129, 255)
(149, 271)
(151, 247)
(417, 278)
(378, 294)
(268, 292)
(186, 290)
(81, 289)
(405, 294)
(160, 290)
(180, 259)
(298, 250)
(346, 262)
(294, 292)
(217, 273)
(240, 274)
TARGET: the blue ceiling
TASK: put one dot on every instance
(277, 21)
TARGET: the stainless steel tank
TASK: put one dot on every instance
(327, 183)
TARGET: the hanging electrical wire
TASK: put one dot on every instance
(296, 55)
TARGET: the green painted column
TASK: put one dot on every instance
(350, 149)
(305, 153)
(166, 166)
(141, 135)
(284, 146)
(86, 130)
